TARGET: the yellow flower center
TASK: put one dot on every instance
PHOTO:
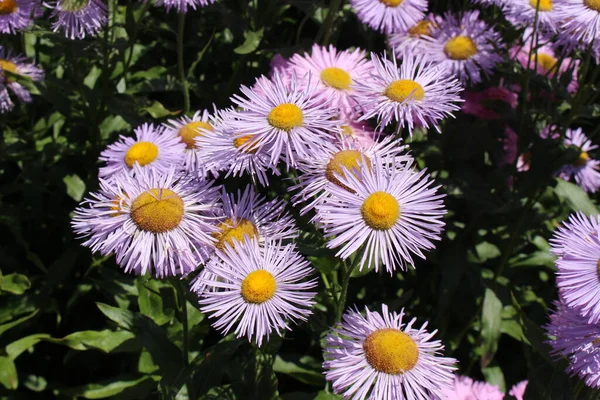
(345, 158)
(229, 232)
(380, 210)
(157, 210)
(544, 5)
(346, 130)
(391, 3)
(7, 7)
(336, 78)
(241, 141)
(422, 28)
(403, 89)
(285, 117)
(545, 60)
(593, 4)
(6, 65)
(582, 159)
(189, 132)
(460, 48)
(142, 152)
(391, 351)
(258, 287)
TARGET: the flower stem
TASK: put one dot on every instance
(346, 274)
(327, 27)
(182, 77)
(184, 322)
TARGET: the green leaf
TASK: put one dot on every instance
(157, 110)
(491, 321)
(8, 373)
(306, 369)
(112, 387)
(323, 395)
(75, 186)
(106, 340)
(575, 197)
(16, 348)
(124, 318)
(146, 364)
(151, 302)
(9, 325)
(251, 43)
(14, 283)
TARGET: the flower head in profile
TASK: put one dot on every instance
(411, 39)
(16, 15)
(579, 22)
(333, 159)
(392, 212)
(13, 67)
(151, 148)
(390, 16)
(572, 337)
(381, 357)
(258, 289)
(416, 92)
(585, 170)
(156, 222)
(465, 45)
(78, 18)
(183, 6)
(284, 121)
(188, 129)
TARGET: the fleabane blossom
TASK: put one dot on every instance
(584, 170)
(580, 22)
(417, 92)
(547, 14)
(389, 16)
(283, 120)
(413, 38)
(387, 213)
(17, 15)
(13, 67)
(78, 18)
(183, 6)
(466, 388)
(385, 356)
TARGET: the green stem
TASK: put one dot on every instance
(182, 77)
(346, 273)
(327, 27)
(184, 322)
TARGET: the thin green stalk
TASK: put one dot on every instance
(346, 274)
(327, 27)
(184, 322)
(182, 77)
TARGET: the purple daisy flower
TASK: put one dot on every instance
(259, 288)
(525, 13)
(78, 17)
(321, 170)
(578, 227)
(584, 170)
(499, 3)
(337, 71)
(284, 121)
(157, 222)
(16, 15)
(464, 45)
(188, 129)
(223, 150)
(380, 357)
(417, 92)
(465, 388)
(151, 148)
(389, 212)
(183, 6)
(390, 16)
(411, 39)
(580, 21)
(11, 67)
(574, 338)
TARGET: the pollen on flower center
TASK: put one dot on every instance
(157, 210)
(336, 78)
(391, 351)
(6, 65)
(380, 210)
(391, 3)
(228, 231)
(345, 158)
(460, 48)
(404, 89)
(142, 152)
(422, 28)
(189, 132)
(286, 116)
(544, 5)
(240, 141)
(593, 4)
(545, 60)
(258, 287)
(7, 7)
(582, 159)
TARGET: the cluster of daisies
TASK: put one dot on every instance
(574, 325)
